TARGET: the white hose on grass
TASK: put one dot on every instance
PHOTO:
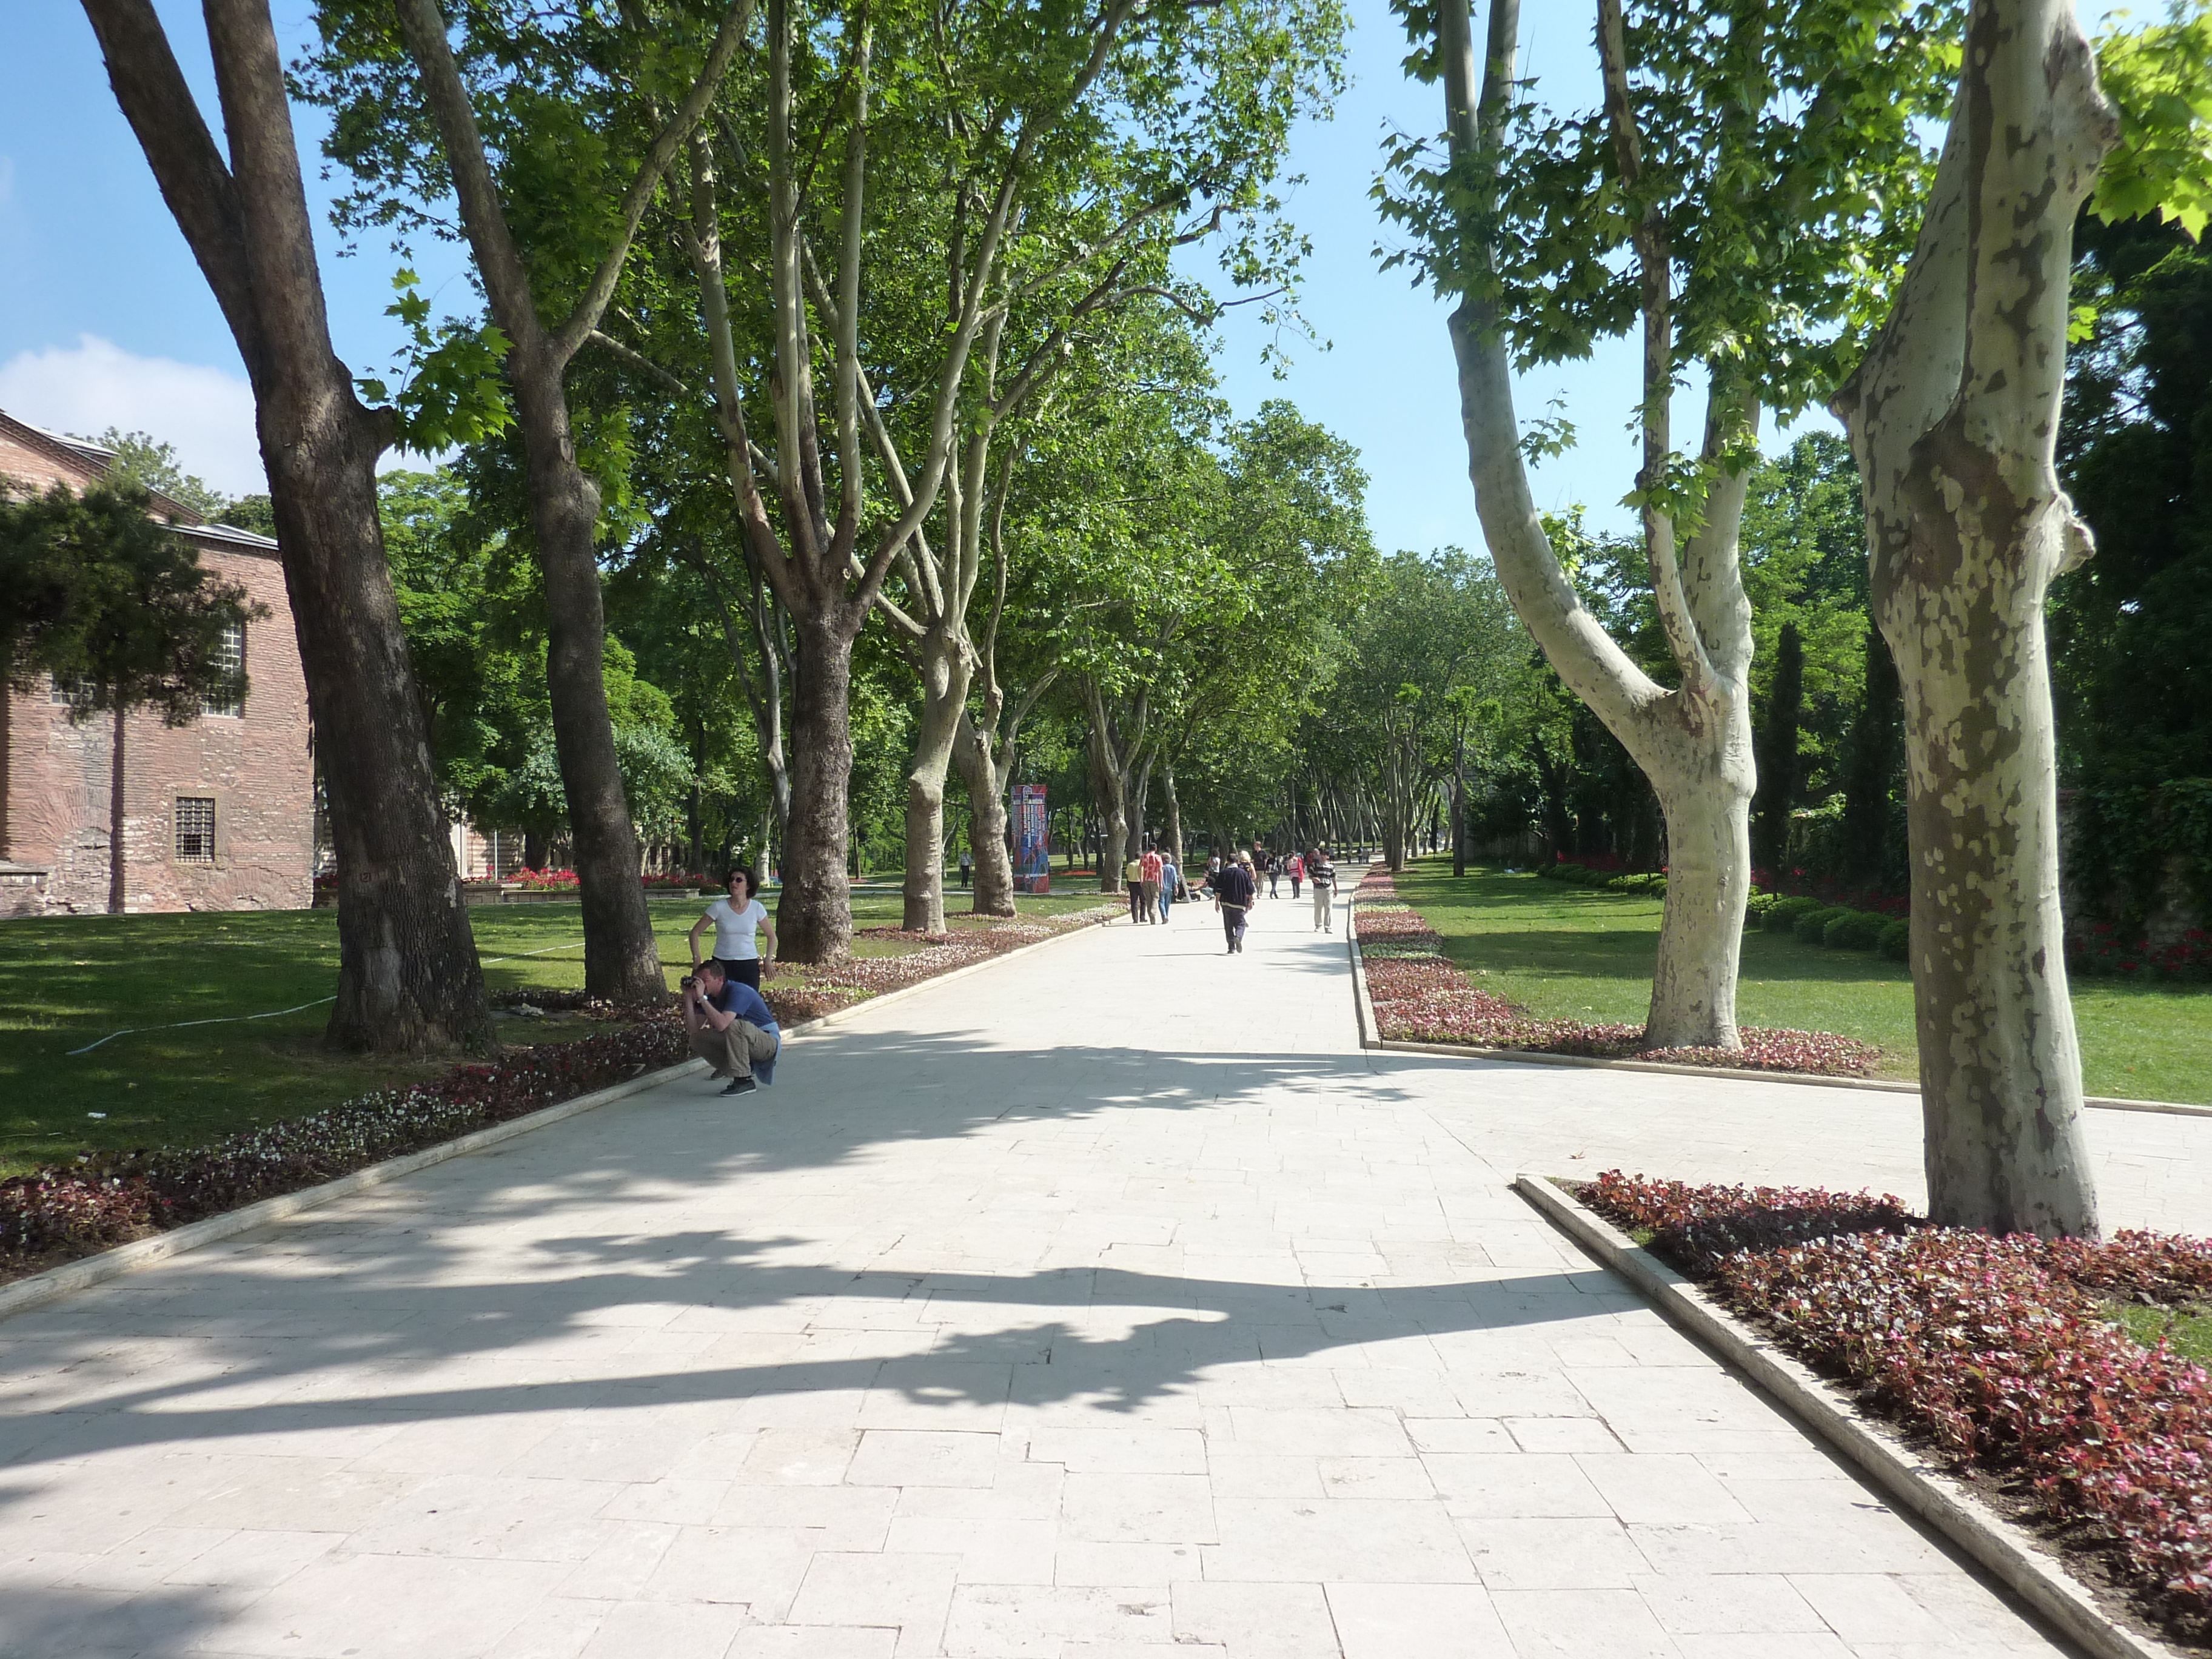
(278, 1013)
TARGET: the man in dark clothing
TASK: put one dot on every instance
(731, 1028)
(1234, 890)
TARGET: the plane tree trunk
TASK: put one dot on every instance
(1692, 741)
(622, 959)
(1952, 417)
(409, 982)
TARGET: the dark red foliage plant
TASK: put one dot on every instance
(1420, 995)
(1999, 1351)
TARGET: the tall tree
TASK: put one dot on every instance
(1777, 753)
(143, 627)
(1725, 200)
(925, 251)
(407, 977)
(1953, 416)
(548, 285)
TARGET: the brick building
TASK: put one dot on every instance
(218, 815)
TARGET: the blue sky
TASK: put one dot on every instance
(106, 321)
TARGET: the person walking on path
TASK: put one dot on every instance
(1133, 877)
(967, 865)
(1170, 887)
(1234, 891)
(1294, 867)
(1323, 874)
(731, 1028)
(1274, 875)
(736, 920)
(1155, 869)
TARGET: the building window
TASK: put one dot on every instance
(231, 654)
(195, 829)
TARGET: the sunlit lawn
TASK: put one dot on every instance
(1568, 952)
(66, 980)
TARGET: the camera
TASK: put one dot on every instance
(685, 984)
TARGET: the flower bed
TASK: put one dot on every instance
(1995, 1351)
(546, 881)
(102, 1200)
(67, 1210)
(1420, 996)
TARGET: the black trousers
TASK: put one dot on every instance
(1232, 923)
(741, 972)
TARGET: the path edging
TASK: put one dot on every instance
(1370, 1037)
(98, 1268)
(1941, 1502)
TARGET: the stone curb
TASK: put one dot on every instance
(1369, 1039)
(1947, 1507)
(88, 1271)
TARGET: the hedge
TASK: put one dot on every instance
(1856, 930)
(1781, 915)
(1812, 927)
(1896, 941)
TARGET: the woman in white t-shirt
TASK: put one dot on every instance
(735, 921)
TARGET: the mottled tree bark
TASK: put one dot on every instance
(1693, 742)
(408, 980)
(946, 669)
(1954, 417)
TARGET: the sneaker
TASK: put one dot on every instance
(718, 1075)
(740, 1086)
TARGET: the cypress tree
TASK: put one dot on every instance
(1777, 753)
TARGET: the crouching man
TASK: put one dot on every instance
(731, 1029)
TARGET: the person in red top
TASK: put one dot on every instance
(1151, 864)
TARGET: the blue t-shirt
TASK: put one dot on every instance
(736, 997)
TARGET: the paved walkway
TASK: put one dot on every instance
(1107, 1302)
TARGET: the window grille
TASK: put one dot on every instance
(195, 829)
(230, 654)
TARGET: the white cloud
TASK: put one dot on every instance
(207, 413)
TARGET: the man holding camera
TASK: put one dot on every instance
(731, 1029)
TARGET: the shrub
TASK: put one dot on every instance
(1812, 927)
(1896, 941)
(1781, 915)
(1856, 930)
(1755, 908)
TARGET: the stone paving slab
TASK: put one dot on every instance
(1105, 1304)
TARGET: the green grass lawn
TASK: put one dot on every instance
(1568, 952)
(66, 980)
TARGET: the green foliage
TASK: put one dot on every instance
(1782, 915)
(1778, 141)
(2160, 78)
(1812, 928)
(1856, 930)
(114, 604)
(1895, 941)
(2131, 678)
(142, 460)
(255, 513)
(452, 391)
